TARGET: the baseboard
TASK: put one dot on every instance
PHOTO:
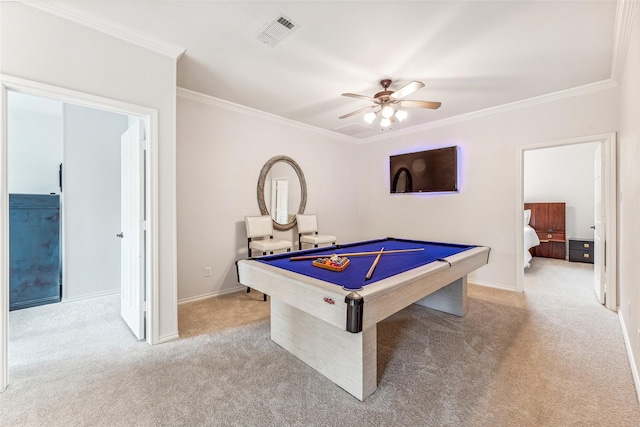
(89, 296)
(169, 337)
(491, 285)
(631, 355)
(212, 295)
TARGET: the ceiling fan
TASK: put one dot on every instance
(388, 103)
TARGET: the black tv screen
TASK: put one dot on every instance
(425, 172)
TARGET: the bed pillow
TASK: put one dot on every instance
(527, 216)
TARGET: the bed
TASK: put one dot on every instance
(530, 238)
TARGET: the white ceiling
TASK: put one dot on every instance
(471, 55)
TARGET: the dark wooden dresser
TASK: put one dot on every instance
(34, 241)
(548, 219)
(581, 250)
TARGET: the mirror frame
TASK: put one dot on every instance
(303, 190)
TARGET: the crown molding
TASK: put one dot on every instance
(232, 106)
(537, 100)
(109, 27)
(512, 106)
(624, 23)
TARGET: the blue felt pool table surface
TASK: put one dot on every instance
(353, 277)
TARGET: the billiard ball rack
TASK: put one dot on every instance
(333, 263)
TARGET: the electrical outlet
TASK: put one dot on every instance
(207, 271)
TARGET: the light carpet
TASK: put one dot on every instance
(549, 357)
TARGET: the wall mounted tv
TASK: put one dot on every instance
(425, 172)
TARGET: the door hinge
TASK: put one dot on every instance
(143, 306)
(143, 225)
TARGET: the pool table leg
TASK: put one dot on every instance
(347, 359)
(450, 299)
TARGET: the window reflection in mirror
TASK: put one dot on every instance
(282, 191)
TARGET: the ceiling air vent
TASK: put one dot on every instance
(276, 30)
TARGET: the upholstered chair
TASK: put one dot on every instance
(260, 237)
(308, 232)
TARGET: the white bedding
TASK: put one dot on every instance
(530, 240)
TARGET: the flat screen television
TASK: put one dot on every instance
(425, 171)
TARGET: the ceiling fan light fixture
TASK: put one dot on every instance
(401, 115)
(390, 104)
(370, 117)
(387, 111)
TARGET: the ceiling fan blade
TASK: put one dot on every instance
(420, 104)
(353, 95)
(407, 89)
(362, 110)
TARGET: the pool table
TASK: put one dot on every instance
(328, 318)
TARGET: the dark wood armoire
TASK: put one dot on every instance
(548, 219)
(34, 248)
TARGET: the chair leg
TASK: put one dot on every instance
(264, 296)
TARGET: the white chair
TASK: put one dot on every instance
(261, 228)
(260, 237)
(308, 232)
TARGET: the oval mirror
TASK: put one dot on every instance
(282, 191)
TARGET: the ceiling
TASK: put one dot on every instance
(471, 55)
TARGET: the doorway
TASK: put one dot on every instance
(70, 154)
(607, 142)
(149, 199)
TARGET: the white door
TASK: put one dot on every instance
(598, 228)
(132, 234)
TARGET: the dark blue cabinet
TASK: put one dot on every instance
(34, 250)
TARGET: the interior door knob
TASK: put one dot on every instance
(120, 235)
(593, 227)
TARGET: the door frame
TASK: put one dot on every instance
(609, 200)
(150, 118)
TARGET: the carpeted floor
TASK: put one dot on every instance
(549, 357)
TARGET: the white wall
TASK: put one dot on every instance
(34, 134)
(220, 155)
(484, 211)
(563, 174)
(214, 141)
(629, 198)
(44, 48)
(91, 209)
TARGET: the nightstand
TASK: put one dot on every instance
(581, 250)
